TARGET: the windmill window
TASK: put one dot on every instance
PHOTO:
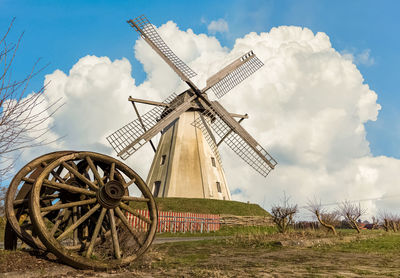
(219, 187)
(163, 157)
(213, 161)
(157, 186)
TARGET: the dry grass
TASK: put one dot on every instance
(258, 253)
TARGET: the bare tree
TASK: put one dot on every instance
(394, 223)
(21, 115)
(375, 222)
(351, 213)
(386, 218)
(325, 218)
(283, 214)
(390, 221)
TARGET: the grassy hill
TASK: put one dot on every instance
(208, 206)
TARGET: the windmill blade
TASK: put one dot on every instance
(233, 74)
(132, 136)
(128, 133)
(239, 140)
(142, 25)
(203, 124)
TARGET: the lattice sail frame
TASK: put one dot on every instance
(203, 123)
(238, 144)
(146, 28)
(127, 134)
(235, 77)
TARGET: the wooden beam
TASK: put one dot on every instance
(141, 122)
(211, 81)
(150, 102)
(229, 132)
(161, 124)
(239, 116)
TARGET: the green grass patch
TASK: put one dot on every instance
(226, 231)
(382, 242)
(207, 206)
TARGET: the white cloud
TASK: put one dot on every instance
(307, 105)
(364, 58)
(361, 58)
(218, 26)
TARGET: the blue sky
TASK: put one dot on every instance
(61, 32)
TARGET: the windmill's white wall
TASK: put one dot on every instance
(187, 170)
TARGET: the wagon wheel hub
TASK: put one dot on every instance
(110, 195)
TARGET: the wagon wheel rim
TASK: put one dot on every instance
(100, 195)
(17, 200)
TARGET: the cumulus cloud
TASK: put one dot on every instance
(308, 106)
(218, 26)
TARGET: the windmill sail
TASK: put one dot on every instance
(239, 140)
(203, 124)
(121, 138)
(127, 142)
(233, 74)
(150, 35)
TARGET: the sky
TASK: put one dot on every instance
(329, 83)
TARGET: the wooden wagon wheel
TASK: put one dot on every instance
(16, 203)
(101, 198)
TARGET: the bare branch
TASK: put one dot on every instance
(390, 221)
(283, 214)
(351, 213)
(327, 219)
(23, 116)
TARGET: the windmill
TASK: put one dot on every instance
(187, 162)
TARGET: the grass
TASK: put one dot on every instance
(381, 242)
(226, 231)
(256, 252)
(206, 206)
(253, 251)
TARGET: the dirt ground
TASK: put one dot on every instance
(238, 257)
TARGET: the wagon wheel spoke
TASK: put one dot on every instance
(74, 220)
(80, 176)
(60, 218)
(94, 170)
(18, 203)
(44, 213)
(135, 199)
(121, 216)
(96, 232)
(112, 171)
(114, 235)
(78, 222)
(69, 205)
(103, 178)
(64, 221)
(56, 174)
(68, 187)
(129, 183)
(132, 211)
